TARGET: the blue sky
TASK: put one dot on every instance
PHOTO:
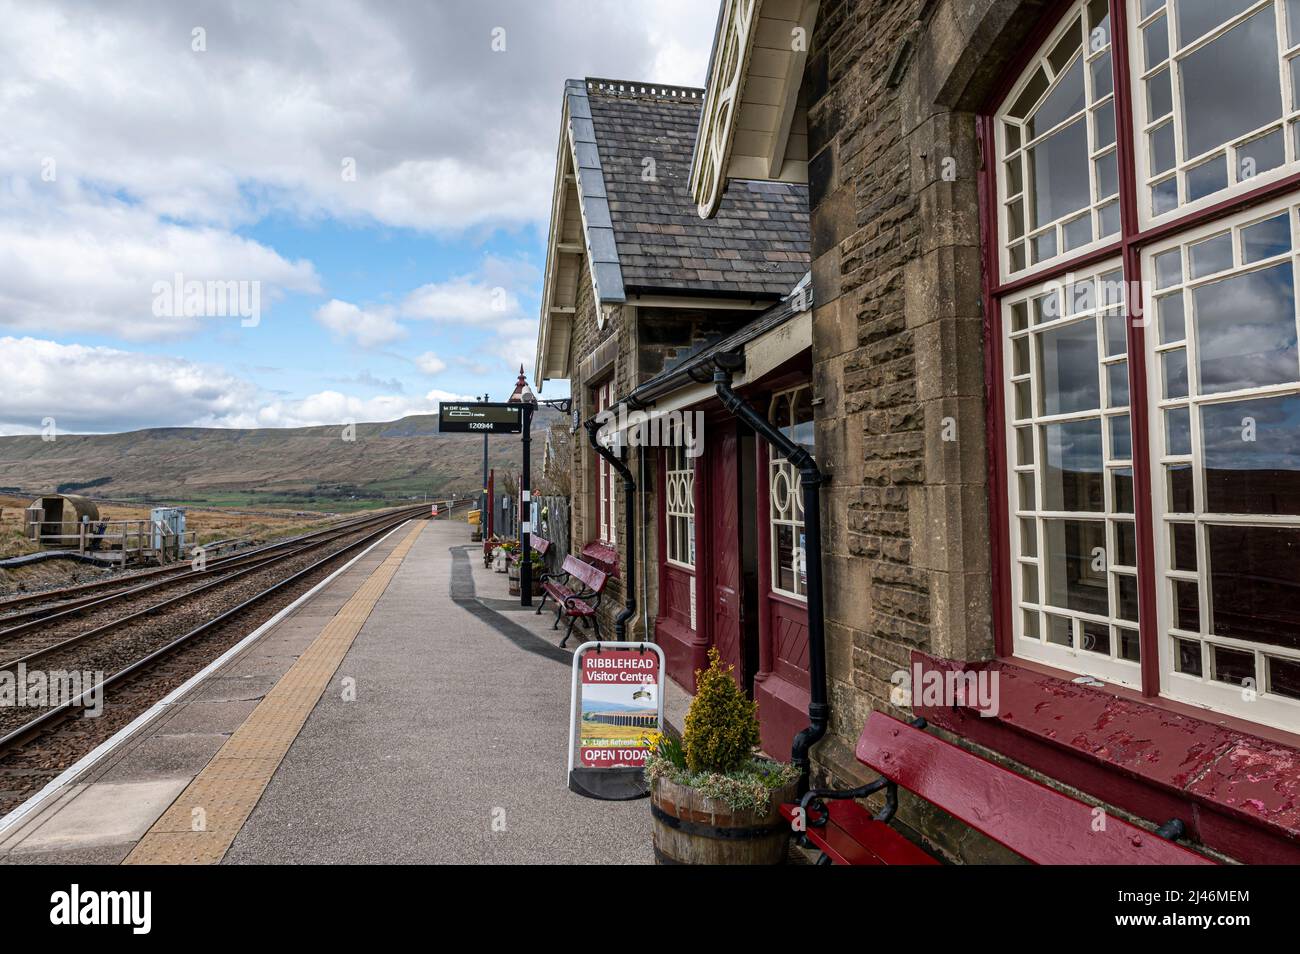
(379, 171)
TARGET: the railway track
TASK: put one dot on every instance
(151, 649)
(66, 597)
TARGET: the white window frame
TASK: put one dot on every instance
(1267, 708)
(1003, 154)
(1289, 122)
(792, 515)
(679, 504)
(1112, 668)
(606, 477)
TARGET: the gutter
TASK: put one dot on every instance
(811, 479)
(629, 514)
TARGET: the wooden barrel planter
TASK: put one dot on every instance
(692, 829)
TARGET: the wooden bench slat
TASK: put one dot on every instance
(882, 841)
(852, 837)
(1034, 821)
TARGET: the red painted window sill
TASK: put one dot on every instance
(1238, 791)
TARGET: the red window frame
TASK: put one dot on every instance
(1128, 247)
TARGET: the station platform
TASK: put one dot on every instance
(405, 712)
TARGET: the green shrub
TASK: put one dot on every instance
(721, 730)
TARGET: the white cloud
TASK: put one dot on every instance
(446, 132)
(333, 407)
(430, 363)
(367, 327)
(104, 389)
(77, 262)
(462, 301)
(132, 390)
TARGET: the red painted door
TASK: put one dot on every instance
(726, 586)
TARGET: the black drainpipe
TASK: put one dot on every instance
(629, 512)
(811, 478)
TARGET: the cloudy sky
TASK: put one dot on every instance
(378, 173)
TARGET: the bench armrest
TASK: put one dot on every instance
(590, 594)
(814, 796)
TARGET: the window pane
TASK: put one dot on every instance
(1164, 196)
(1121, 440)
(1180, 488)
(1233, 666)
(1178, 432)
(1163, 155)
(1122, 489)
(1065, 99)
(1246, 330)
(1117, 384)
(1130, 646)
(1107, 176)
(1068, 358)
(1187, 606)
(1160, 100)
(1284, 677)
(1095, 638)
(1231, 86)
(1033, 91)
(1210, 256)
(1072, 479)
(1076, 566)
(1155, 41)
(1188, 656)
(1125, 544)
(1127, 598)
(1252, 456)
(1174, 371)
(1266, 239)
(1254, 579)
(1260, 155)
(1170, 311)
(1198, 17)
(1103, 82)
(1207, 178)
(1060, 172)
(1183, 536)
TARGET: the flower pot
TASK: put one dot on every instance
(512, 577)
(692, 829)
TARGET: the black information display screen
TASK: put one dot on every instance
(479, 418)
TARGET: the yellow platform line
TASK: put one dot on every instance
(200, 826)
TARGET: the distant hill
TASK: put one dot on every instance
(386, 461)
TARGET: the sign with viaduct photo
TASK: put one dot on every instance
(617, 705)
(480, 417)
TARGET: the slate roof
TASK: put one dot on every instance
(757, 245)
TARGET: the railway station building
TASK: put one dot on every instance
(1046, 361)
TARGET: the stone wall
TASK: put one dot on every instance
(892, 88)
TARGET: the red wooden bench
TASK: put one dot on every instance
(1036, 822)
(571, 600)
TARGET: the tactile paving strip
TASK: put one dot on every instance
(201, 825)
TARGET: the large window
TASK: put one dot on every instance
(791, 412)
(1151, 360)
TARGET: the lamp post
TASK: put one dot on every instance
(524, 397)
(483, 497)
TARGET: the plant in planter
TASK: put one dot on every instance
(714, 801)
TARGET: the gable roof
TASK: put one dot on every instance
(756, 246)
(622, 209)
(754, 125)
